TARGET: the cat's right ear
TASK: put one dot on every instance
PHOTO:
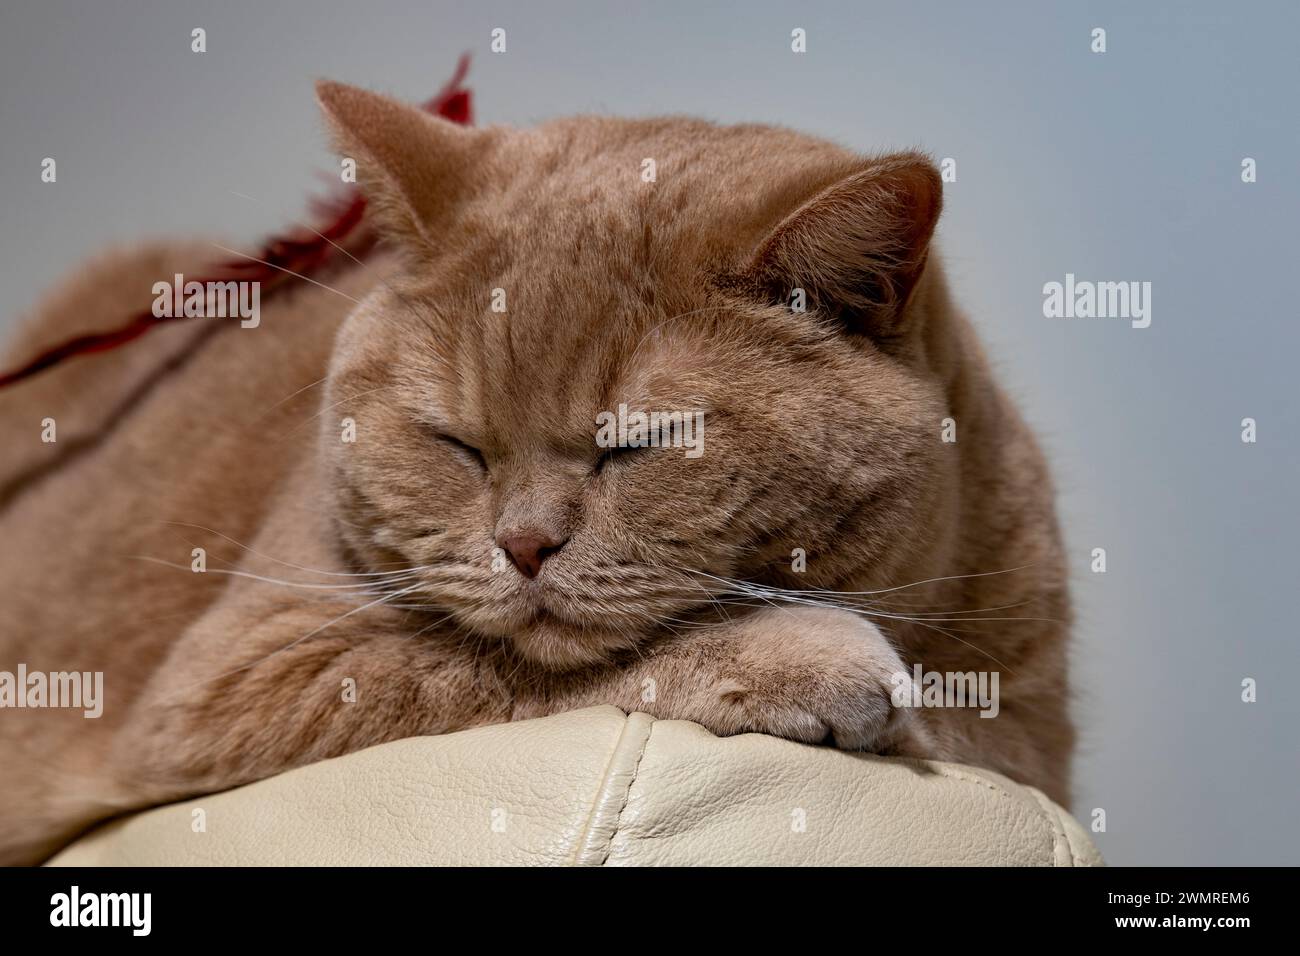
(412, 166)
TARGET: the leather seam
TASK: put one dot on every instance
(1063, 840)
(594, 810)
(627, 794)
(1052, 831)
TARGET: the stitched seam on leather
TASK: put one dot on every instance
(1058, 836)
(1051, 829)
(588, 852)
(627, 794)
(1058, 830)
(594, 810)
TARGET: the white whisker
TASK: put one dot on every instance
(272, 265)
(310, 634)
(268, 580)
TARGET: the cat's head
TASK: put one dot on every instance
(765, 283)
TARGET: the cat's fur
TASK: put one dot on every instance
(823, 434)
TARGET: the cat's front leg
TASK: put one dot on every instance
(258, 687)
(802, 673)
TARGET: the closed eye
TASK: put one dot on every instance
(619, 452)
(466, 450)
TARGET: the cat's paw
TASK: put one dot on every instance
(815, 675)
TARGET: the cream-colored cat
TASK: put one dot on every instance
(397, 489)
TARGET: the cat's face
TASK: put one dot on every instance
(548, 294)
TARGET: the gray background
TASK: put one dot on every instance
(1117, 166)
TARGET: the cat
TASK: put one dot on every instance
(408, 528)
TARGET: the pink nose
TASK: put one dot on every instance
(528, 551)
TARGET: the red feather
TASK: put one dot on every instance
(303, 251)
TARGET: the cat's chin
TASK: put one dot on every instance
(558, 645)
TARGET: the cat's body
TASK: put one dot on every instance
(474, 440)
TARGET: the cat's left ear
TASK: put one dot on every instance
(858, 248)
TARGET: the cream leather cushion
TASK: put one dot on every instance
(597, 787)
